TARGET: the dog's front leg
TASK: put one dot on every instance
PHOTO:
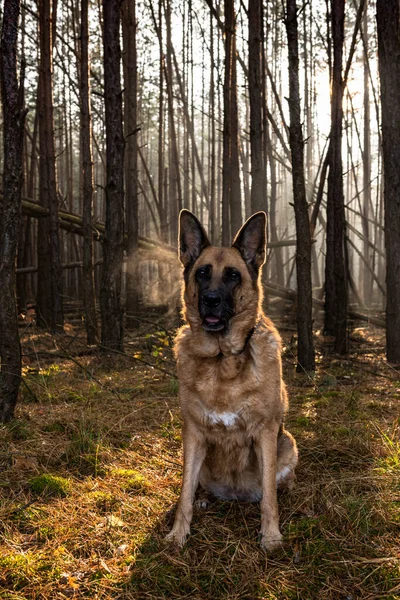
(194, 452)
(271, 537)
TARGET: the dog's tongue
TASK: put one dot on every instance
(212, 319)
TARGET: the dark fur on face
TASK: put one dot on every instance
(216, 300)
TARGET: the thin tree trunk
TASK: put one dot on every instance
(110, 294)
(175, 189)
(335, 271)
(367, 281)
(306, 354)
(161, 199)
(129, 26)
(190, 125)
(258, 190)
(89, 295)
(10, 208)
(49, 298)
(213, 140)
(388, 22)
(231, 200)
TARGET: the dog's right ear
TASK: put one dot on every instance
(192, 238)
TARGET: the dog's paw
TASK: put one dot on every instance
(202, 503)
(177, 536)
(271, 542)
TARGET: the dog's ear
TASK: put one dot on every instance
(251, 241)
(192, 238)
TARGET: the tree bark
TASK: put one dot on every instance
(306, 354)
(335, 270)
(175, 188)
(129, 26)
(367, 280)
(213, 141)
(258, 190)
(388, 23)
(89, 295)
(110, 292)
(49, 297)
(10, 209)
(231, 200)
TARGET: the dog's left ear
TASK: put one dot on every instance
(192, 238)
(251, 241)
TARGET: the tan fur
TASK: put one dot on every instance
(233, 401)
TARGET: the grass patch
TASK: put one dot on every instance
(85, 451)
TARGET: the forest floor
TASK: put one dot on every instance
(90, 473)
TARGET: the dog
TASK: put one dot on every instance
(232, 396)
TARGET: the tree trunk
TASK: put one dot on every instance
(335, 270)
(49, 297)
(367, 280)
(175, 189)
(110, 293)
(10, 209)
(89, 295)
(231, 200)
(213, 141)
(129, 26)
(258, 190)
(306, 355)
(161, 199)
(388, 23)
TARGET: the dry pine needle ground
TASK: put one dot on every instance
(91, 468)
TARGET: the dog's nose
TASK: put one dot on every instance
(212, 299)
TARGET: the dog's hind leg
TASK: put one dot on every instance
(286, 461)
(194, 452)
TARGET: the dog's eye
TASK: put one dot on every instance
(202, 272)
(234, 275)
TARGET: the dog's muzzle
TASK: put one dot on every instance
(211, 311)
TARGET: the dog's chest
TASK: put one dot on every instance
(223, 379)
(224, 400)
(227, 419)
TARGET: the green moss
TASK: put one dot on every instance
(20, 570)
(104, 501)
(50, 485)
(131, 480)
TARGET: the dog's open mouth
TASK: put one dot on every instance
(213, 323)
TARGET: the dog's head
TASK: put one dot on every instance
(221, 284)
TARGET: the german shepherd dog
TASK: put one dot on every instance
(232, 396)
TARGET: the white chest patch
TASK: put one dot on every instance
(226, 418)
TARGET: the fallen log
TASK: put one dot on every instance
(291, 295)
(73, 223)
